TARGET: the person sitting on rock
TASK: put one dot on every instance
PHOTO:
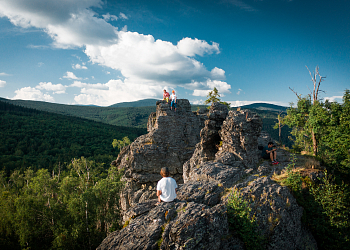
(269, 152)
(166, 187)
(166, 96)
(173, 100)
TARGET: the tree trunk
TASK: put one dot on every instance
(314, 143)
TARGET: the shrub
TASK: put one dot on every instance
(241, 221)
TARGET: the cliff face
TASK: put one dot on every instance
(225, 158)
(170, 143)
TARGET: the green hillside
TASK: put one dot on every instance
(40, 139)
(137, 116)
(122, 116)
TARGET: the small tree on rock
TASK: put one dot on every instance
(213, 96)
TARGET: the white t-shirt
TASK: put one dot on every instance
(173, 97)
(167, 185)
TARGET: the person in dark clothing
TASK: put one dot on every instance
(269, 152)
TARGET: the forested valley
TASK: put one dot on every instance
(57, 188)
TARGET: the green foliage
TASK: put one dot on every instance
(73, 209)
(240, 220)
(213, 96)
(334, 200)
(294, 179)
(326, 209)
(330, 123)
(121, 143)
(43, 140)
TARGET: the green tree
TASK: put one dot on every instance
(328, 124)
(121, 143)
(213, 96)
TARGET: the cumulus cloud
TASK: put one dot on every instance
(145, 63)
(115, 91)
(29, 93)
(142, 58)
(70, 23)
(80, 84)
(55, 88)
(192, 47)
(203, 88)
(78, 66)
(70, 75)
(2, 83)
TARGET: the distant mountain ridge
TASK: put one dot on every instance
(265, 106)
(139, 103)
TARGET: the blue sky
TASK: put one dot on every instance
(105, 52)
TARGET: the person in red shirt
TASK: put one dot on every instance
(166, 96)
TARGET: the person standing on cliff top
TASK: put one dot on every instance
(173, 100)
(166, 96)
(166, 187)
(269, 152)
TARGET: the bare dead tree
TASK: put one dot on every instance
(316, 82)
(316, 79)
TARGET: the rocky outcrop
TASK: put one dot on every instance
(170, 142)
(224, 164)
(175, 225)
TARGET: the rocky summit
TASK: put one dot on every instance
(211, 154)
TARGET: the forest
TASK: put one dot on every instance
(44, 140)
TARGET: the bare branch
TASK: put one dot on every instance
(295, 93)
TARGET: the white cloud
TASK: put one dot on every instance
(203, 88)
(29, 93)
(55, 88)
(218, 74)
(144, 62)
(78, 66)
(79, 84)
(108, 17)
(332, 98)
(2, 83)
(142, 58)
(239, 91)
(71, 76)
(70, 23)
(115, 91)
(4, 74)
(192, 47)
(122, 16)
